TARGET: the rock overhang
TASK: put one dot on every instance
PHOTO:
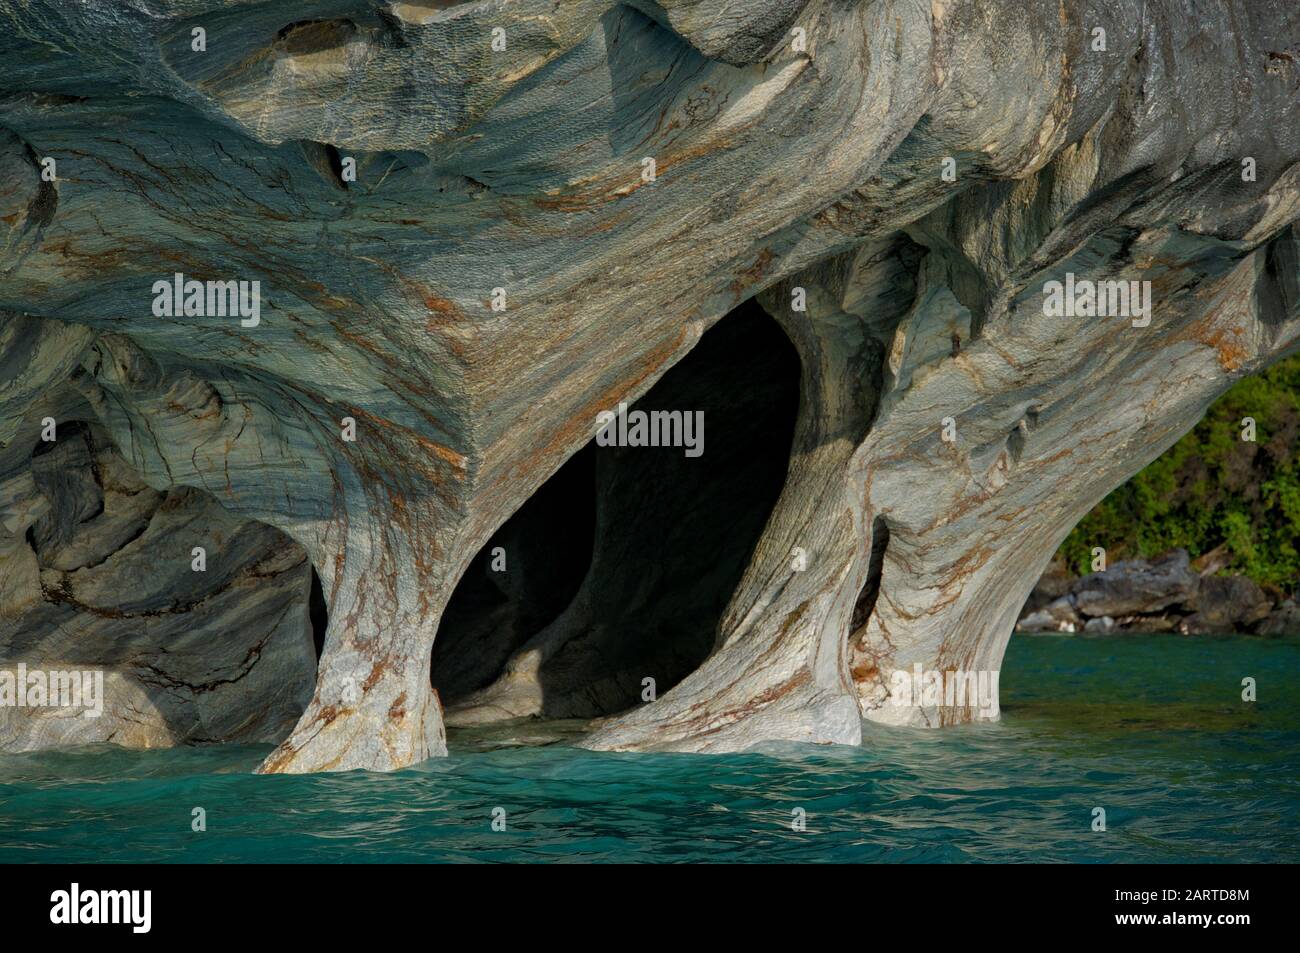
(507, 264)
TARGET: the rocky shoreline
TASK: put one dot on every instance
(1170, 593)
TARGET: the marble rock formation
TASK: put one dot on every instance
(475, 226)
(104, 579)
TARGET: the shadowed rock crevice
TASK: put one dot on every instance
(27, 200)
(673, 535)
(866, 602)
(1279, 293)
(318, 613)
(862, 660)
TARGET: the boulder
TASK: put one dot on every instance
(1137, 586)
(1283, 620)
(1043, 621)
(1226, 604)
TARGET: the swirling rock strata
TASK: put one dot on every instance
(553, 202)
(104, 574)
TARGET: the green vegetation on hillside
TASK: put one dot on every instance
(1213, 488)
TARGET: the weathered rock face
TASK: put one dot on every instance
(1225, 603)
(1159, 595)
(105, 580)
(551, 204)
(1284, 620)
(1137, 586)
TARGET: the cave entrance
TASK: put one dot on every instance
(519, 582)
(618, 570)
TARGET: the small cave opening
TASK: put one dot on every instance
(862, 661)
(317, 613)
(866, 603)
(628, 556)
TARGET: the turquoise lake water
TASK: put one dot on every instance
(1151, 728)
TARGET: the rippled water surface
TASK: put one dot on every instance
(1152, 729)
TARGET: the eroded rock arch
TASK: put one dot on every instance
(818, 165)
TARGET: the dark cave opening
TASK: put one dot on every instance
(522, 578)
(318, 613)
(862, 663)
(644, 545)
(866, 603)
